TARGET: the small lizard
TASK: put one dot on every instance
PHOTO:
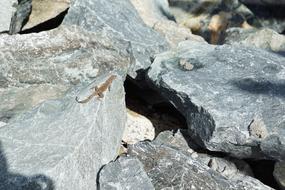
(99, 90)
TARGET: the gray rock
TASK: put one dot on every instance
(118, 18)
(40, 66)
(7, 10)
(264, 38)
(233, 98)
(61, 143)
(228, 167)
(168, 168)
(279, 174)
(124, 173)
(21, 16)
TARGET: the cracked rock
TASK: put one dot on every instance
(63, 141)
(233, 98)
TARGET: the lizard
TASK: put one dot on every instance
(99, 90)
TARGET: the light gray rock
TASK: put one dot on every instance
(120, 19)
(233, 97)
(264, 38)
(21, 16)
(62, 144)
(40, 66)
(169, 168)
(124, 173)
(7, 10)
(279, 174)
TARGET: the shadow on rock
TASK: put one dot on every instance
(261, 86)
(15, 181)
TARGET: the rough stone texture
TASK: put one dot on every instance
(233, 98)
(51, 62)
(7, 10)
(62, 144)
(124, 173)
(211, 18)
(228, 167)
(264, 38)
(279, 174)
(155, 13)
(138, 128)
(118, 18)
(169, 168)
(21, 16)
(44, 10)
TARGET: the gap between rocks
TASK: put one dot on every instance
(47, 25)
(164, 116)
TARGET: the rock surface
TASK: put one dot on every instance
(124, 173)
(279, 174)
(169, 168)
(62, 141)
(98, 16)
(44, 10)
(7, 10)
(138, 128)
(51, 62)
(232, 97)
(265, 38)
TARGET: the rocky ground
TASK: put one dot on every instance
(142, 94)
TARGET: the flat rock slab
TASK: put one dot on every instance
(62, 144)
(118, 19)
(233, 97)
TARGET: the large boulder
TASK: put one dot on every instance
(118, 19)
(62, 144)
(36, 67)
(232, 97)
(7, 10)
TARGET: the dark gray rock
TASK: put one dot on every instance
(233, 97)
(168, 168)
(124, 173)
(21, 16)
(279, 174)
(36, 67)
(7, 10)
(62, 144)
(118, 19)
